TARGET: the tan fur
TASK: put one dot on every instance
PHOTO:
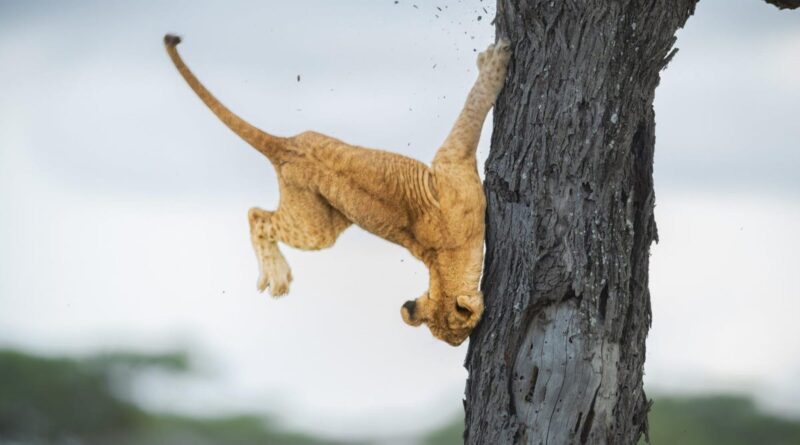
(436, 212)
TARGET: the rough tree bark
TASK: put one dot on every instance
(558, 357)
(559, 354)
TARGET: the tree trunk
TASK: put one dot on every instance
(558, 357)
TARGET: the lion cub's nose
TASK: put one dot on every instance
(409, 312)
(411, 307)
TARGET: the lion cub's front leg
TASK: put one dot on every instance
(462, 142)
(492, 65)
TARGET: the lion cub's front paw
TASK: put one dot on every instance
(493, 62)
(495, 56)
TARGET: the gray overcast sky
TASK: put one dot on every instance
(123, 200)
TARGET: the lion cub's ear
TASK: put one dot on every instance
(470, 306)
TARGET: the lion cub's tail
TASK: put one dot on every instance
(262, 141)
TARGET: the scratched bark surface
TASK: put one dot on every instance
(559, 354)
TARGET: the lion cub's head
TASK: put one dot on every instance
(449, 317)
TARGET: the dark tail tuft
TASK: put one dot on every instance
(171, 40)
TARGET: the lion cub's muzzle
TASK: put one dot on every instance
(450, 320)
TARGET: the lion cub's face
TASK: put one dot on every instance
(450, 318)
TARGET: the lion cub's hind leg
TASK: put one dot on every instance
(304, 221)
(274, 271)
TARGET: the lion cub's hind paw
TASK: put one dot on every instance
(279, 288)
(275, 275)
(263, 282)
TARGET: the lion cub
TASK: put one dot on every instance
(435, 212)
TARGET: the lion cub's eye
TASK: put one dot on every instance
(463, 311)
